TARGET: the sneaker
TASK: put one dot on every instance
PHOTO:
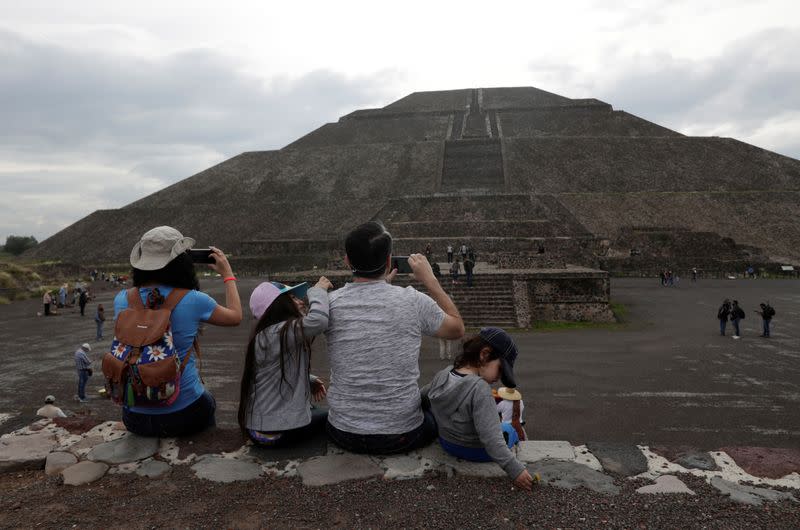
(737, 337)
(83, 400)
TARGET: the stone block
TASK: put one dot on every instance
(405, 467)
(332, 469)
(153, 469)
(57, 462)
(571, 475)
(84, 473)
(749, 494)
(219, 469)
(27, 451)
(126, 449)
(666, 484)
(624, 459)
(534, 450)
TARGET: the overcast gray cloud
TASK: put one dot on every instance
(83, 131)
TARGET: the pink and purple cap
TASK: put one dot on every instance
(266, 293)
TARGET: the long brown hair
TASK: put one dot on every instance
(471, 354)
(283, 309)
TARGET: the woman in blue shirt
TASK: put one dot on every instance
(160, 264)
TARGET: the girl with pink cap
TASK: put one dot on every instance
(274, 406)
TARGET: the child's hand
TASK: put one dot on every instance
(318, 390)
(324, 283)
(524, 480)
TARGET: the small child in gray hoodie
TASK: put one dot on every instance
(462, 403)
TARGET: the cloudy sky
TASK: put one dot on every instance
(102, 103)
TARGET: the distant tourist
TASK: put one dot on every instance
(461, 400)
(50, 410)
(766, 313)
(374, 340)
(83, 365)
(449, 253)
(429, 252)
(723, 313)
(455, 270)
(437, 271)
(62, 296)
(162, 266)
(277, 386)
(469, 265)
(737, 314)
(694, 274)
(47, 300)
(463, 251)
(83, 298)
(99, 319)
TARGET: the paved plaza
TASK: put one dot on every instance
(665, 377)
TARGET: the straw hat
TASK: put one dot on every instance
(510, 394)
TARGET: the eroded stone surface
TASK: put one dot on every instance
(331, 469)
(532, 451)
(571, 475)
(27, 451)
(210, 441)
(405, 467)
(666, 484)
(624, 459)
(700, 460)
(58, 461)
(768, 462)
(451, 464)
(126, 449)
(749, 494)
(84, 473)
(153, 469)
(219, 469)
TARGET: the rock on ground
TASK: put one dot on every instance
(666, 484)
(624, 459)
(127, 449)
(331, 469)
(532, 451)
(153, 469)
(57, 462)
(219, 469)
(748, 494)
(84, 473)
(405, 467)
(25, 451)
(570, 475)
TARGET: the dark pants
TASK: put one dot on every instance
(385, 444)
(190, 420)
(47, 310)
(449, 257)
(83, 308)
(469, 278)
(722, 325)
(319, 418)
(766, 327)
(83, 378)
(736, 325)
(99, 329)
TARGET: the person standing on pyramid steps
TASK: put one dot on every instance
(463, 251)
(469, 265)
(449, 253)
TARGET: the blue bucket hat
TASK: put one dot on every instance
(502, 343)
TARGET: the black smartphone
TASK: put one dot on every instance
(201, 255)
(401, 264)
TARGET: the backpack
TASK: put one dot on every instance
(769, 312)
(143, 367)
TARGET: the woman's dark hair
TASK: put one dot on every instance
(179, 273)
(471, 355)
(368, 248)
(283, 309)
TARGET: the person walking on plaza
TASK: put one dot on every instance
(449, 253)
(737, 314)
(46, 301)
(767, 312)
(723, 313)
(83, 365)
(99, 319)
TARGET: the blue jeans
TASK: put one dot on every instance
(385, 444)
(319, 417)
(479, 454)
(99, 329)
(722, 325)
(736, 325)
(766, 327)
(189, 420)
(83, 378)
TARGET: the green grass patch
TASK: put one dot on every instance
(4, 300)
(546, 325)
(620, 311)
